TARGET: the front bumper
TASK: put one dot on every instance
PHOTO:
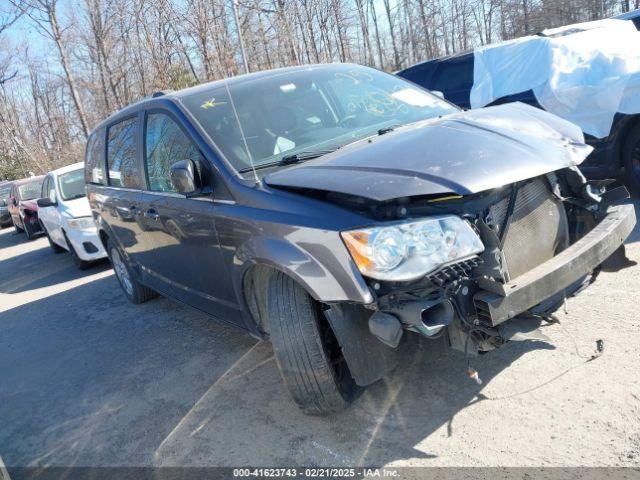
(86, 243)
(507, 300)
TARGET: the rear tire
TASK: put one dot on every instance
(308, 354)
(135, 291)
(631, 159)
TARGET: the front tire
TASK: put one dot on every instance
(28, 231)
(54, 246)
(80, 264)
(631, 159)
(308, 354)
(135, 291)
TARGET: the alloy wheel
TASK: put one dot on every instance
(121, 271)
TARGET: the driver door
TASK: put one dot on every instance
(49, 216)
(186, 262)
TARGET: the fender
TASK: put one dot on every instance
(324, 268)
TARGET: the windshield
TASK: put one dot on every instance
(5, 191)
(30, 190)
(323, 108)
(71, 184)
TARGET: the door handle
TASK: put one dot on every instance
(152, 214)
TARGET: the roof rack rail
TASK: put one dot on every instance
(161, 93)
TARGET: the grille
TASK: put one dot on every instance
(448, 273)
(538, 228)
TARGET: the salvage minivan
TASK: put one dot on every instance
(336, 210)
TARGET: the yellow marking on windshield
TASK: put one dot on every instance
(211, 103)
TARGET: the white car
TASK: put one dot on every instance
(65, 215)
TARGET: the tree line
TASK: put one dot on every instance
(67, 64)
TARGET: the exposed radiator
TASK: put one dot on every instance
(538, 229)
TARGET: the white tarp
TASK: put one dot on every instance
(584, 76)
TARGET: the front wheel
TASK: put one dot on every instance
(54, 246)
(308, 354)
(631, 159)
(80, 264)
(28, 230)
(135, 291)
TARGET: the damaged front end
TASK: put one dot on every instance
(544, 240)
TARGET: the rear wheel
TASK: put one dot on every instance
(631, 159)
(135, 291)
(308, 354)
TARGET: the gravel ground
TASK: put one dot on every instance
(90, 380)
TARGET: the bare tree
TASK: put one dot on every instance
(108, 53)
(45, 17)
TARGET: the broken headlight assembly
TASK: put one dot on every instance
(410, 250)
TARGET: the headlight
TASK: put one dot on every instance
(82, 223)
(410, 250)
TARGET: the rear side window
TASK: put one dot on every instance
(94, 161)
(454, 75)
(122, 158)
(420, 74)
(165, 144)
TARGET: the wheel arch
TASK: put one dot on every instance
(323, 281)
(620, 134)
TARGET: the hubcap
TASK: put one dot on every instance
(121, 271)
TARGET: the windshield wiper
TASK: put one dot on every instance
(290, 159)
(384, 130)
(301, 156)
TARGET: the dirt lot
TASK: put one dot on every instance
(90, 380)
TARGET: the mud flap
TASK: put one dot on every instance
(367, 357)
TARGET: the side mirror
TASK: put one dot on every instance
(13, 201)
(438, 93)
(45, 202)
(183, 177)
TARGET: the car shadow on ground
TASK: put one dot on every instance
(92, 380)
(39, 267)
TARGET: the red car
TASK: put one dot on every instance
(23, 207)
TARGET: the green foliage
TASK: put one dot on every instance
(181, 78)
(10, 168)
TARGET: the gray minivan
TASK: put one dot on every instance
(336, 210)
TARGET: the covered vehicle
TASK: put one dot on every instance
(632, 16)
(586, 73)
(5, 193)
(337, 210)
(66, 217)
(23, 206)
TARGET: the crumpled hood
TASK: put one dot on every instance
(463, 153)
(29, 205)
